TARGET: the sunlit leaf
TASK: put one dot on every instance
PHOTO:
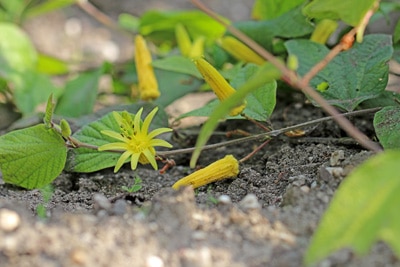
(48, 6)
(351, 12)
(363, 210)
(50, 65)
(269, 9)
(32, 157)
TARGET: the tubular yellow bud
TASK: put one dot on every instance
(227, 167)
(323, 30)
(217, 83)
(148, 85)
(197, 48)
(183, 40)
(240, 51)
(292, 62)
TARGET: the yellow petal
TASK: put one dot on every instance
(221, 169)
(197, 49)
(240, 51)
(148, 85)
(183, 40)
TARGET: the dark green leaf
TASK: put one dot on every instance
(387, 127)
(80, 95)
(289, 25)
(177, 64)
(353, 76)
(363, 210)
(32, 157)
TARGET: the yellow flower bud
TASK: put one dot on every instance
(227, 167)
(197, 49)
(240, 51)
(148, 85)
(218, 83)
(323, 30)
(183, 40)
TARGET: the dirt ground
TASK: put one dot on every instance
(264, 217)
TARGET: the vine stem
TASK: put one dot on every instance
(296, 81)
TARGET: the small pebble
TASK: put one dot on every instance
(101, 202)
(9, 220)
(154, 261)
(336, 158)
(250, 202)
(224, 199)
(336, 172)
(305, 189)
(119, 207)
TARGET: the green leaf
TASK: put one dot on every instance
(396, 34)
(351, 12)
(48, 115)
(266, 74)
(291, 24)
(160, 26)
(129, 22)
(17, 53)
(387, 127)
(363, 210)
(80, 95)
(32, 157)
(50, 65)
(174, 85)
(31, 89)
(269, 9)
(177, 64)
(47, 7)
(90, 160)
(353, 76)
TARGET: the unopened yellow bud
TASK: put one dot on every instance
(217, 83)
(148, 85)
(183, 40)
(240, 51)
(323, 30)
(227, 167)
(197, 49)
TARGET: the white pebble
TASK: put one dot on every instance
(250, 202)
(9, 220)
(224, 199)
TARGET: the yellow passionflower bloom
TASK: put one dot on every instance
(148, 85)
(227, 167)
(136, 141)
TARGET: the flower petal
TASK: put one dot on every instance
(160, 142)
(114, 135)
(150, 157)
(137, 120)
(122, 160)
(147, 120)
(134, 160)
(158, 131)
(114, 146)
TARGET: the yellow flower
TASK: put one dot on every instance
(148, 85)
(323, 31)
(218, 84)
(136, 141)
(224, 168)
(187, 48)
(240, 51)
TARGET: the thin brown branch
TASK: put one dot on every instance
(292, 79)
(101, 17)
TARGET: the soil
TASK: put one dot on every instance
(264, 217)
